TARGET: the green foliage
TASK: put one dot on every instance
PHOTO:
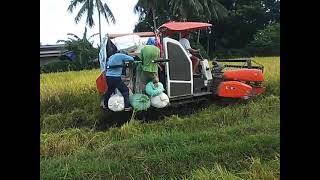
(66, 65)
(151, 9)
(84, 51)
(59, 67)
(83, 48)
(177, 10)
(234, 22)
(230, 53)
(203, 51)
(266, 41)
(237, 30)
(197, 10)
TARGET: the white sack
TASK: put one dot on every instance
(116, 102)
(160, 101)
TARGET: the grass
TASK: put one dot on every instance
(240, 141)
(174, 147)
(256, 170)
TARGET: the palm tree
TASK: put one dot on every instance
(204, 10)
(200, 9)
(151, 6)
(88, 7)
(184, 8)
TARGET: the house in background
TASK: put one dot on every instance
(51, 53)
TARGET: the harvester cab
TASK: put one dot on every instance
(235, 78)
(227, 78)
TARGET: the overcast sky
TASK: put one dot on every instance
(56, 22)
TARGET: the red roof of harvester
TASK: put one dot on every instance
(170, 27)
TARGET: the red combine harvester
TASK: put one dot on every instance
(226, 78)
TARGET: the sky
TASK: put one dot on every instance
(56, 22)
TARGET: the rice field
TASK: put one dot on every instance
(240, 141)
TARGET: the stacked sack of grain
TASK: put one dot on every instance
(139, 101)
(158, 98)
(116, 102)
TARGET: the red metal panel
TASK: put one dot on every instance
(170, 27)
(181, 26)
(234, 89)
(244, 75)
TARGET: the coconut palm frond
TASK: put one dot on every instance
(108, 13)
(81, 12)
(90, 13)
(64, 41)
(73, 35)
(93, 36)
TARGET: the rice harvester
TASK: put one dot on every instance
(226, 78)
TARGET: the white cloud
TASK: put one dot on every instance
(56, 22)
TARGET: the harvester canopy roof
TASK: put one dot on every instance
(172, 27)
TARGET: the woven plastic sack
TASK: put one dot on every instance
(160, 101)
(139, 102)
(152, 90)
(116, 102)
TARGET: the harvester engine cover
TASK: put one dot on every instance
(234, 89)
(254, 75)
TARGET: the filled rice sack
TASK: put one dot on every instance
(160, 101)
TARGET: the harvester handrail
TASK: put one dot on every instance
(232, 60)
(248, 62)
(161, 60)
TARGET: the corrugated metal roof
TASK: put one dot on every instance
(51, 50)
(49, 55)
(51, 46)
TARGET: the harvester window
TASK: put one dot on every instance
(179, 66)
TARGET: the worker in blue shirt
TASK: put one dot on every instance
(113, 76)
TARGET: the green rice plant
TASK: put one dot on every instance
(256, 170)
(130, 129)
(218, 173)
(271, 73)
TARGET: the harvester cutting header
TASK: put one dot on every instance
(181, 79)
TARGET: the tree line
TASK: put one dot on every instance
(243, 27)
(240, 27)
